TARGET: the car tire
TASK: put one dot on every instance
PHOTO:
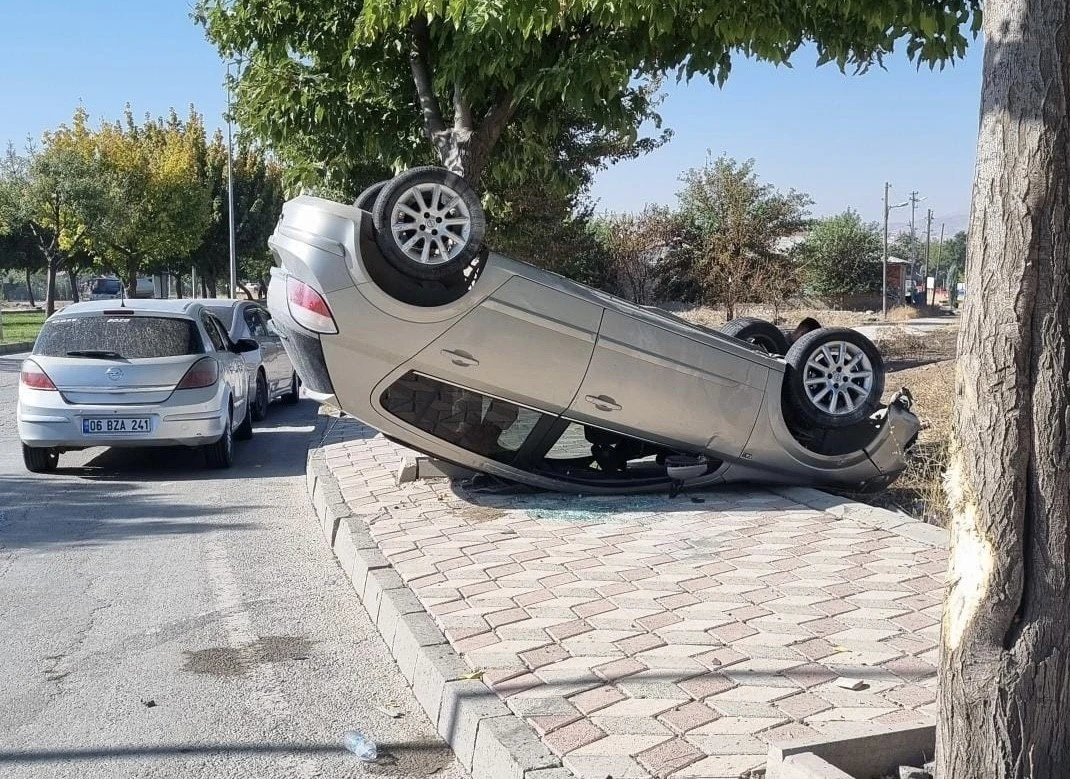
(759, 333)
(261, 398)
(220, 454)
(429, 223)
(828, 365)
(294, 395)
(366, 199)
(39, 460)
(244, 431)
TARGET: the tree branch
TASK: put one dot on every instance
(462, 110)
(494, 123)
(421, 75)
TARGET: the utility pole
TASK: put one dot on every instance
(230, 187)
(928, 239)
(914, 200)
(940, 259)
(884, 282)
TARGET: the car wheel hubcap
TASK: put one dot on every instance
(430, 223)
(838, 377)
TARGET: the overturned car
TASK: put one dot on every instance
(392, 309)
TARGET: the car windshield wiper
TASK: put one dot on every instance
(96, 354)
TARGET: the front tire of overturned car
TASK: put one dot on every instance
(39, 460)
(835, 378)
(429, 223)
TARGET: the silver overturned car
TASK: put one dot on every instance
(392, 309)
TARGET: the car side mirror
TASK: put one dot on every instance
(245, 345)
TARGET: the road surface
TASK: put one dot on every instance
(159, 619)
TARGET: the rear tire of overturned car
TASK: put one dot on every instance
(38, 460)
(429, 223)
(244, 431)
(758, 332)
(366, 199)
(835, 377)
(294, 395)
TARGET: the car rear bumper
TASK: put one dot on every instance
(303, 346)
(57, 424)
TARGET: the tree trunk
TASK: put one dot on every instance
(29, 288)
(50, 286)
(72, 275)
(1004, 674)
(131, 282)
(178, 284)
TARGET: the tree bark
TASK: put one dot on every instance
(1004, 675)
(72, 275)
(50, 285)
(29, 288)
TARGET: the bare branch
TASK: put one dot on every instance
(495, 122)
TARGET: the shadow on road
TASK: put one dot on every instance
(37, 513)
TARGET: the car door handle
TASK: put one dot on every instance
(603, 402)
(463, 359)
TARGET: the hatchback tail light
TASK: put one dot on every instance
(203, 373)
(308, 308)
(34, 377)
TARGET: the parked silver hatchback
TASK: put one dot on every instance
(140, 373)
(271, 374)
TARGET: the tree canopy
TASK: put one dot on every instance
(343, 89)
(842, 255)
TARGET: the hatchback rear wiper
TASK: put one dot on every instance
(97, 354)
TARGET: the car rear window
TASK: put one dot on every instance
(104, 287)
(131, 337)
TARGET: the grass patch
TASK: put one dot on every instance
(21, 325)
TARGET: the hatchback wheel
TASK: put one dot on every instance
(38, 460)
(221, 453)
(294, 395)
(429, 223)
(757, 332)
(835, 377)
(260, 400)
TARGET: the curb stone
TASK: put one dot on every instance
(871, 516)
(15, 348)
(469, 716)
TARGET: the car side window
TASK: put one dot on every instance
(254, 319)
(213, 330)
(487, 426)
(224, 336)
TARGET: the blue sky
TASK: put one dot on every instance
(835, 137)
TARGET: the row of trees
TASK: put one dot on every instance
(732, 239)
(132, 198)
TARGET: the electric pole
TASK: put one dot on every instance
(939, 260)
(884, 282)
(928, 239)
(914, 200)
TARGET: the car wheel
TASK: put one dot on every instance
(244, 431)
(757, 332)
(39, 460)
(261, 399)
(221, 453)
(366, 200)
(835, 377)
(294, 395)
(429, 223)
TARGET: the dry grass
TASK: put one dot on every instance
(926, 366)
(906, 313)
(789, 317)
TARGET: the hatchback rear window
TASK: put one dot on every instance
(130, 337)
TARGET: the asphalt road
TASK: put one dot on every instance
(158, 619)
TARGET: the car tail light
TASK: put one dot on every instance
(308, 308)
(203, 373)
(34, 377)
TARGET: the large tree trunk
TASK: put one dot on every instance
(72, 275)
(29, 288)
(1004, 676)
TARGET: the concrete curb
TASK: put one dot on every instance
(15, 348)
(468, 715)
(871, 516)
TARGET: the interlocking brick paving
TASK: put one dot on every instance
(646, 637)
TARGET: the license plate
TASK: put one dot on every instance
(116, 425)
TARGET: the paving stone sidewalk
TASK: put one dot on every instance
(646, 637)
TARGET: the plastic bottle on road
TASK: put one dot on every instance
(364, 748)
